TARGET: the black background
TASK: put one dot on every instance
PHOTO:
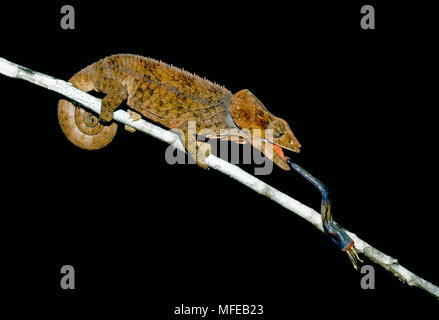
(361, 103)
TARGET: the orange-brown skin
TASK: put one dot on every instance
(171, 97)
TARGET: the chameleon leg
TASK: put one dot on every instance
(116, 93)
(198, 150)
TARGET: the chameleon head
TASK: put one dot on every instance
(264, 129)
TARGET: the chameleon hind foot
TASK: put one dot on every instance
(203, 151)
(116, 93)
(106, 113)
(134, 116)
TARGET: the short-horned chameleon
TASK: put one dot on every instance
(171, 97)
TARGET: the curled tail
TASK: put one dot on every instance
(81, 127)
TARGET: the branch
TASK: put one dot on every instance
(66, 89)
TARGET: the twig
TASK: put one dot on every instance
(66, 89)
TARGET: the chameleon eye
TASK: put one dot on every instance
(278, 128)
(278, 135)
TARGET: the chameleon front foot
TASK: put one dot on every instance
(134, 116)
(203, 151)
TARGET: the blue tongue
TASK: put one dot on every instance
(308, 176)
(337, 234)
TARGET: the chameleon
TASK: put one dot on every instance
(172, 97)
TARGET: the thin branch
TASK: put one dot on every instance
(66, 89)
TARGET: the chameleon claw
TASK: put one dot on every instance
(129, 128)
(134, 116)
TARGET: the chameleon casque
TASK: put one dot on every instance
(171, 97)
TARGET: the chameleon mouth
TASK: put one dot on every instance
(279, 147)
(278, 156)
(279, 151)
(294, 149)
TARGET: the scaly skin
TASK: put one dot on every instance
(171, 97)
